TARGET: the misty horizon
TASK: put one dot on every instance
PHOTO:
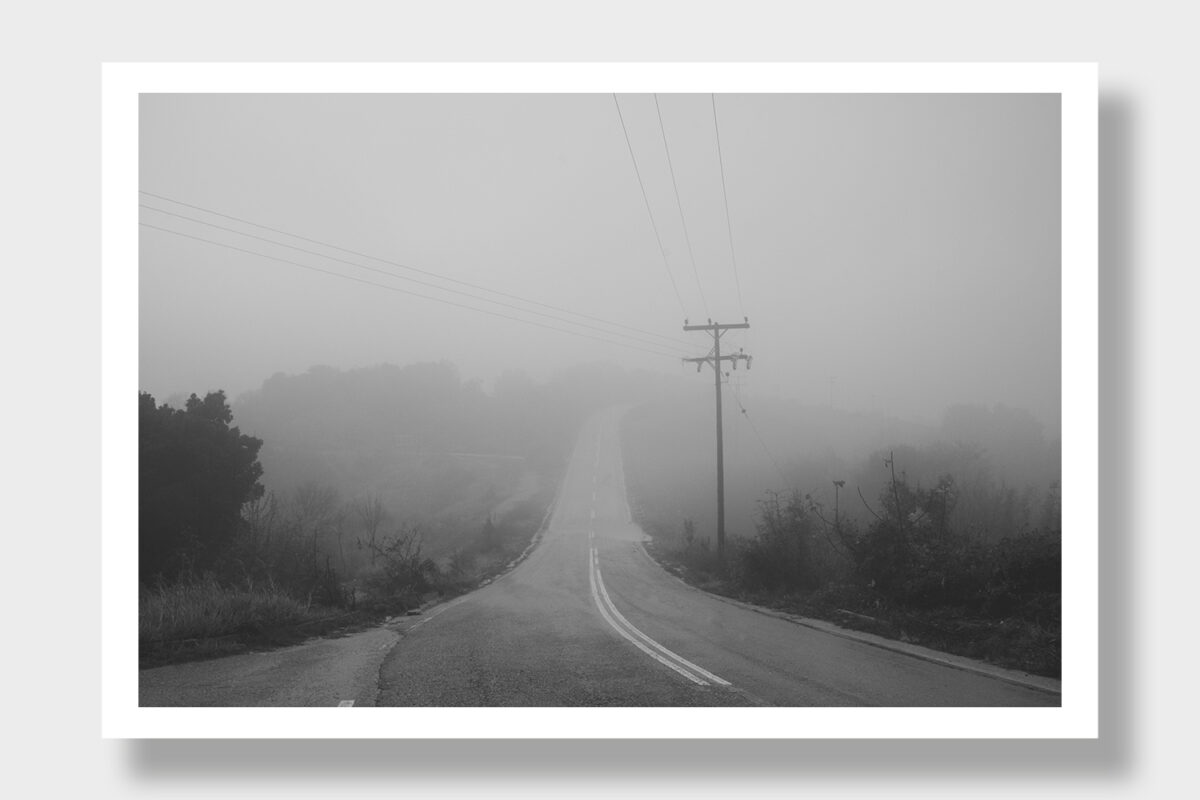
(895, 254)
(697, 393)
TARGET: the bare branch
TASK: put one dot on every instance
(815, 508)
(868, 507)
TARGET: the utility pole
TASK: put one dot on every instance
(714, 358)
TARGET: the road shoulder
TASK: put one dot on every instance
(1024, 679)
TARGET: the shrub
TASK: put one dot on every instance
(782, 554)
(1026, 577)
(401, 572)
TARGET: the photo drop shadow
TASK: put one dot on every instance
(1114, 754)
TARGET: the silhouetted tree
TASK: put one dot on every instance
(195, 473)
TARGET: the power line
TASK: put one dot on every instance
(679, 205)
(725, 195)
(393, 264)
(405, 291)
(406, 278)
(738, 399)
(646, 200)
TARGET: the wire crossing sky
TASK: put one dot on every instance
(679, 205)
(725, 198)
(386, 287)
(673, 343)
(908, 244)
(406, 267)
(649, 211)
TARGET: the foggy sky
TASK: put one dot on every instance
(897, 253)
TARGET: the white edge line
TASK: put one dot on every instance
(435, 614)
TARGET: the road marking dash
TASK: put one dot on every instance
(437, 613)
(345, 704)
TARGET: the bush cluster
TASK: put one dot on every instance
(908, 558)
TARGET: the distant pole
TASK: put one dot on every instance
(720, 450)
(714, 359)
(837, 485)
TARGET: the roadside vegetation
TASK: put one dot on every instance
(201, 617)
(226, 565)
(280, 584)
(970, 567)
(379, 491)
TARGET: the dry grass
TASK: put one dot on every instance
(206, 610)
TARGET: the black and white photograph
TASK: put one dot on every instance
(637, 399)
(633, 399)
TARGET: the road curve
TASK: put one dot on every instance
(589, 620)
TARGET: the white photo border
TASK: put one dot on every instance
(121, 717)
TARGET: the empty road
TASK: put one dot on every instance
(588, 619)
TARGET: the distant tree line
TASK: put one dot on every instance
(430, 406)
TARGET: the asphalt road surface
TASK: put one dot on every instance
(588, 619)
(326, 672)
